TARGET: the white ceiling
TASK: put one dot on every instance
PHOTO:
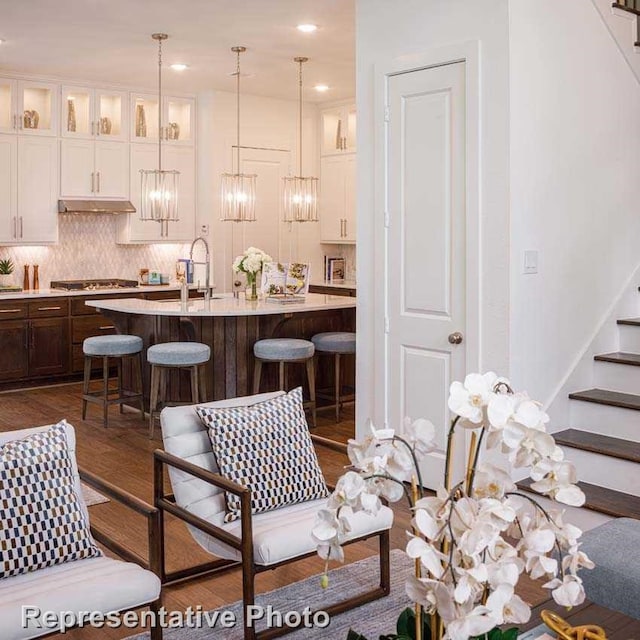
(110, 41)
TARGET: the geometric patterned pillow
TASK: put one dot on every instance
(41, 520)
(267, 448)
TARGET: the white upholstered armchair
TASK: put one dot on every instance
(92, 584)
(257, 542)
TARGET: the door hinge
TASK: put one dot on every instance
(387, 114)
(387, 219)
(386, 324)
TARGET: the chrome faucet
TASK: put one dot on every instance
(207, 263)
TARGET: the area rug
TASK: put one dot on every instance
(91, 496)
(371, 619)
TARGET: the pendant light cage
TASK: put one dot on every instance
(300, 192)
(238, 190)
(159, 187)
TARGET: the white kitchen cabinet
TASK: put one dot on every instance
(28, 190)
(132, 230)
(337, 199)
(94, 114)
(28, 107)
(178, 119)
(8, 187)
(94, 169)
(338, 130)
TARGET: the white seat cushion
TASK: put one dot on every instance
(96, 584)
(276, 533)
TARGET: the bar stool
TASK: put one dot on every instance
(336, 343)
(175, 355)
(116, 347)
(286, 351)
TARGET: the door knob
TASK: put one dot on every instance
(455, 337)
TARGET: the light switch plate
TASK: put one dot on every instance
(530, 262)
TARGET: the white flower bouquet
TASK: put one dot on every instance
(475, 537)
(251, 263)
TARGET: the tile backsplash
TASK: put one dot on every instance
(87, 249)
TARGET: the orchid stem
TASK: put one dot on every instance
(447, 464)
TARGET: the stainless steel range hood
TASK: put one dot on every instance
(95, 206)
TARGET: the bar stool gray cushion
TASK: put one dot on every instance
(613, 583)
(178, 354)
(118, 345)
(335, 342)
(283, 349)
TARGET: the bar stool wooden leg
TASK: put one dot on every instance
(257, 371)
(311, 377)
(337, 375)
(202, 381)
(194, 384)
(85, 384)
(153, 400)
(105, 383)
(281, 375)
(139, 383)
(120, 384)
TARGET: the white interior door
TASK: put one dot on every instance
(268, 232)
(425, 266)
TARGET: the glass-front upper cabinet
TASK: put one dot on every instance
(37, 108)
(93, 113)
(338, 126)
(177, 125)
(28, 107)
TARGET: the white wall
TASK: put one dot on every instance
(265, 122)
(575, 192)
(386, 31)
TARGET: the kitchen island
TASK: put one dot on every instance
(230, 326)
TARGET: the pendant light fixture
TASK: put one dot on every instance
(238, 190)
(159, 187)
(300, 193)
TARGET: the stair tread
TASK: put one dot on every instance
(610, 398)
(613, 503)
(631, 321)
(617, 5)
(598, 443)
(620, 357)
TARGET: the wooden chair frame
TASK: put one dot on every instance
(244, 544)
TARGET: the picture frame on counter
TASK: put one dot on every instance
(334, 269)
(285, 281)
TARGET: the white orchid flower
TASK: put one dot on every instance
(469, 399)
(557, 480)
(430, 558)
(420, 590)
(331, 550)
(567, 592)
(492, 481)
(381, 434)
(348, 490)
(470, 581)
(573, 562)
(527, 445)
(477, 622)
(326, 526)
(531, 415)
(506, 606)
(359, 451)
(539, 565)
(421, 435)
(428, 526)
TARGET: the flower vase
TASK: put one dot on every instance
(251, 292)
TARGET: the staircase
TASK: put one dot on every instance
(633, 7)
(603, 438)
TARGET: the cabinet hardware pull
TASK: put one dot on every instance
(21, 227)
(97, 128)
(19, 120)
(33, 337)
(92, 182)
(98, 178)
(26, 336)
(345, 228)
(15, 121)
(49, 308)
(93, 128)
(10, 310)
(15, 226)
(106, 327)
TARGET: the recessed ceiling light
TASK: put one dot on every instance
(307, 28)
(1, 40)
(321, 87)
(179, 66)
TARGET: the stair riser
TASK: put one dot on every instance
(617, 377)
(602, 470)
(608, 421)
(584, 519)
(629, 338)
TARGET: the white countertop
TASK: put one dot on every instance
(223, 305)
(57, 293)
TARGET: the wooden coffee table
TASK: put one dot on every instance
(617, 625)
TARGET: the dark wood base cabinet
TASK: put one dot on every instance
(14, 361)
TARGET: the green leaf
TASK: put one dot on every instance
(406, 625)
(353, 635)
(511, 634)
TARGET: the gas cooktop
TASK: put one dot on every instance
(94, 284)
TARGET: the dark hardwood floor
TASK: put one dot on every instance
(122, 455)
